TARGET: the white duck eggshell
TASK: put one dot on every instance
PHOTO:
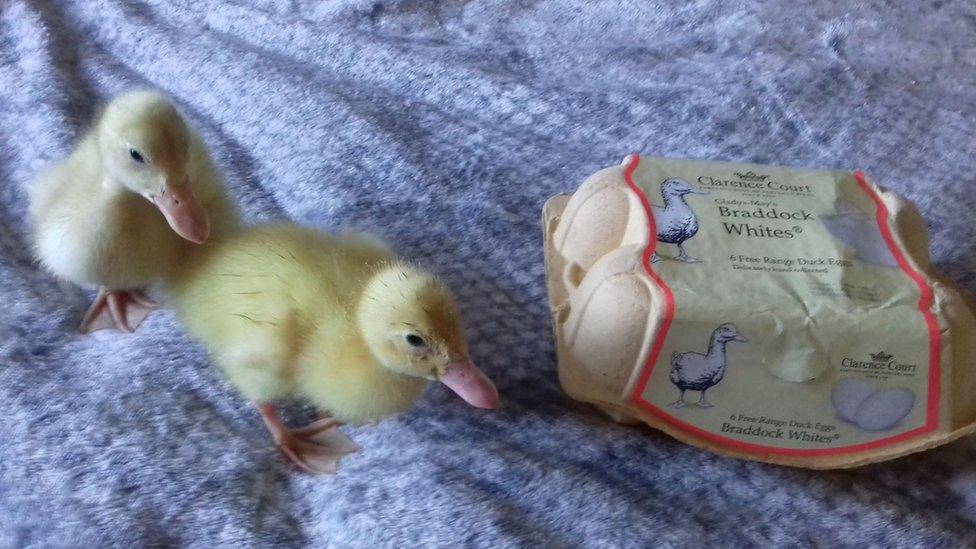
(849, 394)
(884, 409)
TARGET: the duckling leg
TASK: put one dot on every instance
(702, 403)
(122, 310)
(680, 403)
(316, 448)
(682, 256)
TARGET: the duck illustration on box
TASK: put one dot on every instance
(676, 222)
(693, 371)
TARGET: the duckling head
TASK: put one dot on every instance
(678, 188)
(728, 332)
(410, 322)
(144, 146)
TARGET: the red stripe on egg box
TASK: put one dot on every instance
(924, 306)
(925, 302)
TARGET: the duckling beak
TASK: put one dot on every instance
(742, 338)
(471, 384)
(183, 213)
(697, 191)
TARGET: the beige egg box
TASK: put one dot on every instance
(607, 311)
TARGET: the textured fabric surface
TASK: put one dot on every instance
(444, 127)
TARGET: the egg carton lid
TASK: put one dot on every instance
(783, 315)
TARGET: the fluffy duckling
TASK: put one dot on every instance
(288, 311)
(138, 190)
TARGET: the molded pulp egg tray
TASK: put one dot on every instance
(782, 315)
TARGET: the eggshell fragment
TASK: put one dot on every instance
(884, 409)
(849, 394)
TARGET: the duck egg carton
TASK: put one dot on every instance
(783, 315)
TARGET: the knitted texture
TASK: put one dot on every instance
(443, 127)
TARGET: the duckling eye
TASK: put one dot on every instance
(136, 156)
(415, 340)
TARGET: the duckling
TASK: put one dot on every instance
(118, 213)
(699, 372)
(339, 322)
(676, 222)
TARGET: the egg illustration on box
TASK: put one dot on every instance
(676, 221)
(858, 231)
(693, 371)
(861, 403)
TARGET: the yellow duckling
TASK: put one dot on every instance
(337, 321)
(123, 208)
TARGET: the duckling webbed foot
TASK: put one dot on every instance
(680, 403)
(702, 403)
(121, 310)
(316, 448)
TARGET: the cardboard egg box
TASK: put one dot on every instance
(775, 314)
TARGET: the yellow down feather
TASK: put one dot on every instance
(291, 311)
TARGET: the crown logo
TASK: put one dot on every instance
(880, 356)
(751, 176)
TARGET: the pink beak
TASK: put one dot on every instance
(471, 384)
(183, 213)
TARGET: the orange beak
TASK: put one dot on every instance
(183, 213)
(471, 384)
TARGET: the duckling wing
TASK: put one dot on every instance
(249, 328)
(74, 229)
(64, 181)
(43, 190)
(256, 355)
(45, 198)
(249, 299)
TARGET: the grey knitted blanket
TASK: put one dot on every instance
(443, 126)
